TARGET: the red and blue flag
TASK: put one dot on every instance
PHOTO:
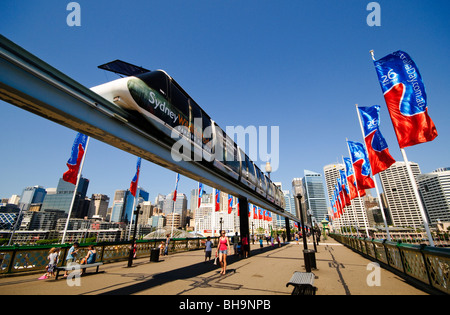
(351, 180)
(74, 162)
(406, 99)
(377, 148)
(361, 165)
(135, 180)
(176, 188)
(217, 200)
(200, 194)
(345, 190)
(230, 204)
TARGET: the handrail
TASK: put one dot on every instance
(430, 266)
(26, 258)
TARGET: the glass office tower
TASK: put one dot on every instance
(315, 199)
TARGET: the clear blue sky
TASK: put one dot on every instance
(300, 65)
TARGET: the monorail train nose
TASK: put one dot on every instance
(116, 92)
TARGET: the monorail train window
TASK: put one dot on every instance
(157, 80)
(207, 132)
(180, 102)
(265, 182)
(251, 169)
(258, 176)
(218, 146)
(195, 122)
(244, 163)
(269, 188)
(231, 154)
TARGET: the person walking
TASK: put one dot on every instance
(235, 241)
(208, 249)
(245, 246)
(166, 248)
(222, 249)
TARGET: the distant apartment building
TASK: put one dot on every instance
(400, 196)
(99, 206)
(434, 189)
(355, 214)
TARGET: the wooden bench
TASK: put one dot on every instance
(77, 267)
(303, 283)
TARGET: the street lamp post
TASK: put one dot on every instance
(268, 168)
(312, 229)
(133, 242)
(308, 255)
(302, 221)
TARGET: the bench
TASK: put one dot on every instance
(77, 267)
(303, 283)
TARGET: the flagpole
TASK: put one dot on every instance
(134, 207)
(363, 208)
(419, 201)
(374, 180)
(213, 215)
(75, 191)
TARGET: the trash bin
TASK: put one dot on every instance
(309, 256)
(154, 254)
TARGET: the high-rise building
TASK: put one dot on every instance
(179, 207)
(62, 199)
(315, 195)
(99, 206)
(35, 194)
(355, 214)
(123, 204)
(400, 196)
(434, 189)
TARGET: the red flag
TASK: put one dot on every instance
(217, 202)
(76, 156)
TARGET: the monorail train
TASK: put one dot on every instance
(168, 110)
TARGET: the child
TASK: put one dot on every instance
(261, 243)
(52, 262)
(161, 248)
(208, 248)
(239, 249)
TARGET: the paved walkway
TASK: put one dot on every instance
(340, 271)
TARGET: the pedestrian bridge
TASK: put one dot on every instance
(340, 271)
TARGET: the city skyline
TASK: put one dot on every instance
(303, 71)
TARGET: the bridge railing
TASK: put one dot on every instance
(23, 259)
(426, 264)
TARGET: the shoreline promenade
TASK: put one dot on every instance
(340, 271)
